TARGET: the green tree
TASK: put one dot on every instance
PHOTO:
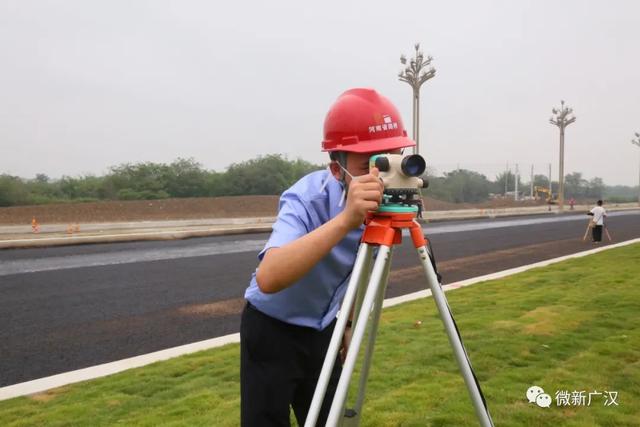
(596, 188)
(143, 180)
(541, 181)
(498, 186)
(186, 178)
(574, 185)
(460, 186)
(42, 178)
(621, 193)
(12, 191)
(271, 174)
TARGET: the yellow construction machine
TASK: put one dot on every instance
(546, 194)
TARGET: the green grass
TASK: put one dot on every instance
(571, 326)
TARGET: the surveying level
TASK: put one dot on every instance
(367, 285)
(400, 176)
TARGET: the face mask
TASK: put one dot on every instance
(344, 185)
(347, 172)
(326, 181)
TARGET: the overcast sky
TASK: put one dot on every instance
(85, 85)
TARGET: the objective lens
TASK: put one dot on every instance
(413, 165)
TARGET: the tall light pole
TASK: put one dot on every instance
(562, 120)
(637, 142)
(415, 74)
(515, 196)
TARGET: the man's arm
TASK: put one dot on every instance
(282, 267)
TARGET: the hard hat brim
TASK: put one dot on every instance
(372, 146)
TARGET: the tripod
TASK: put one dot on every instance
(383, 230)
(590, 227)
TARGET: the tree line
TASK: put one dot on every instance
(464, 185)
(271, 174)
(265, 175)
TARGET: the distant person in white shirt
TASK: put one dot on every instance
(598, 214)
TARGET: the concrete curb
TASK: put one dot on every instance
(98, 371)
(93, 372)
(131, 226)
(131, 237)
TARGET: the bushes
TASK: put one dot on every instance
(266, 175)
(12, 191)
(271, 174)
(460, 186)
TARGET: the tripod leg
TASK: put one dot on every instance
(366, 363)
(586, 233)
(606, 230)
(358, 276)
(379, 267)
(479, 404)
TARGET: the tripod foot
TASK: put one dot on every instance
(350, 413)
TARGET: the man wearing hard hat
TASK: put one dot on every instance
(295, 293)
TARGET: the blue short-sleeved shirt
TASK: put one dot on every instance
(314, 300)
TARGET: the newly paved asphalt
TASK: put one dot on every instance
(71, 307)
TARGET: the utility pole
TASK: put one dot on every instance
(531, 182)
(415, 74)
(561, 120)
(637, 142)
(550, 190)
(515, 196)
(506, 180)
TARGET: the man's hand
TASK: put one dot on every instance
(364, 195)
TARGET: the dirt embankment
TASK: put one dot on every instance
(143, 210)
(191, 208)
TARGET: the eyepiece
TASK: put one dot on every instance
(382, 163)
(413, 165)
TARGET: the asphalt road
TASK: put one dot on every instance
(67, 308)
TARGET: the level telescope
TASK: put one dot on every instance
(402, 177)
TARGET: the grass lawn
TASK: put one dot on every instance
(572, 327)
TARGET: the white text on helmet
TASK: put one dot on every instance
(387, 125)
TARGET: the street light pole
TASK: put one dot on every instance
(561, 120)
(515, 197)
(637, 142)
(415, 74)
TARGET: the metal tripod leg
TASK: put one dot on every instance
(459, 351)
(354, 414)
(372, 301)
(379, 268)
(358, 278)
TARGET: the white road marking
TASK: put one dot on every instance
(32, 265)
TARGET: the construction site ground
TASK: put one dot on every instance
(188, 208)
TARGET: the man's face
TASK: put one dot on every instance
(358, 164)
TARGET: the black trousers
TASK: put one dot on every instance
(597, 233)
(279, 367)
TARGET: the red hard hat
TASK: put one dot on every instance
(363, 121)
